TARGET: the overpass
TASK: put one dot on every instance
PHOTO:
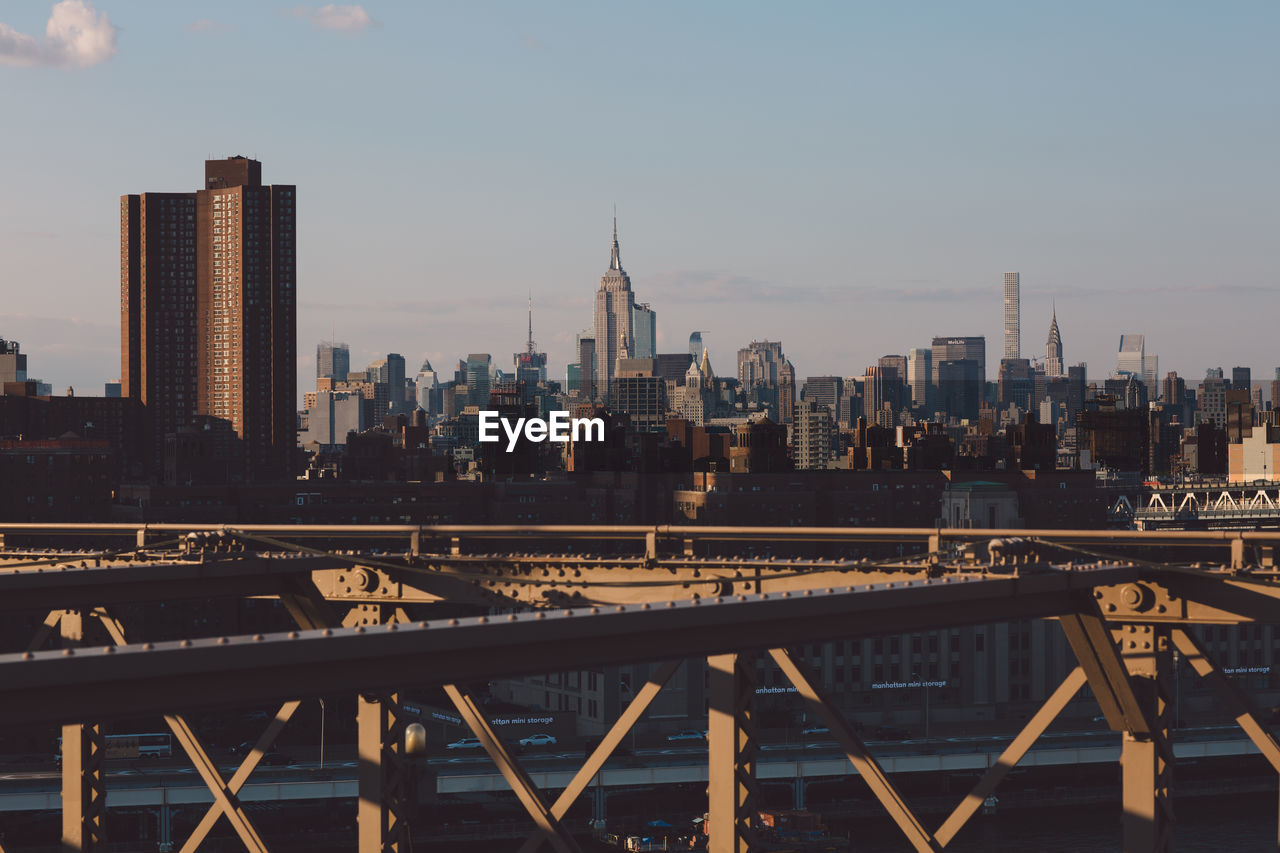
(644, 594)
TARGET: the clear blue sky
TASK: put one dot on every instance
(849, 178)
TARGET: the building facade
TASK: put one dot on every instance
(333, 360)
(208, 310)
(1053, 350)
(1012, 316)
(615, 310)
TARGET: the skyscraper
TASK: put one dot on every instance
(615, 306)
(786, 393)
(759, 366)
(333, 360)
(478, 367)
(531, 365)
(973, 348)
(695, 345)
(1053, 349)
(1012, 316)
(919, 375)
(208, 310)
(427, 383)
(644, 322)
(586, 349)
(1129, 361)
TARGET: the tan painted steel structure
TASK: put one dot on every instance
(662, 596)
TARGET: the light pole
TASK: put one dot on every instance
(415, 753)
(322, 711)
(1177, 700)
(925, 683)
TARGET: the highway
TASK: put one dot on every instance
(173, 783)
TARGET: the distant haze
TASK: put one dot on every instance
(849, 179)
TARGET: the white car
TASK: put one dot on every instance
(537, 740)
(464, 743)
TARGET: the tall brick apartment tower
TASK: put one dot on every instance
(208, 313)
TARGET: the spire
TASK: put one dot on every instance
(530, 344)
(615, 258)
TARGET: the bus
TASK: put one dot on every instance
(148, 746)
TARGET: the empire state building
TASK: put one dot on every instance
(615, 309)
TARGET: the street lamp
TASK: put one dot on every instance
(925, 682)
(415, 753)
(322, 712)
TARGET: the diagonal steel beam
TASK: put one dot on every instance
(1095, 649)
(43, 633)
(528, 793)
(1238, 703)
(607, 745)
(1012, 754)
(224, 800)
(246, 768)
(308, 607)
(868, 768)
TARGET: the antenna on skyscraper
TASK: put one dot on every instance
(530, 344)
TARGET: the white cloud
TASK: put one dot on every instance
(334, 17)
(76, 37)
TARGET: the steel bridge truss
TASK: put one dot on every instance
(1122, 619)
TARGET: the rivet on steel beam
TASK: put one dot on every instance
(568, 613)
(671, 604)
(147, 646)
(222, 641)
(540, 615)
(292, 635)
(27, 656)
(453, 621)
(483, 620)
(68, 652)
(108, 650)
(186, 644)
(644, 606)
(620, 608)
(830, 591)
(257, 638)
(786, 593)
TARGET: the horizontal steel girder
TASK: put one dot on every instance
(108, 682)
(80, 584)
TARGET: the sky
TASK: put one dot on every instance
(849, 178)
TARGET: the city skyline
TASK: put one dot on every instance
(425, 232)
